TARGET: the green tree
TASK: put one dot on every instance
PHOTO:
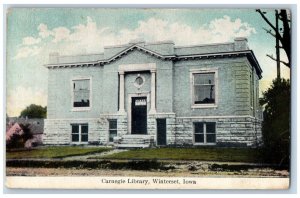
(34, 111)
(276, 124)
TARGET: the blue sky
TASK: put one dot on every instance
(34, 33)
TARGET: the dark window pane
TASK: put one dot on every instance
(81, 93)
(112, 129)
(112, 124)
(84, 137)
(211, 138)
(82, 103)
(75, 129)
(81, 85)
(112, 134)
(199, 138)
(204, 88)
(75, 137)
(198, 127)
(84, 129)
(210, 127)
(204, 79)
(204, 94)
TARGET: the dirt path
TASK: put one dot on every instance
(10, 171)
(95, 155)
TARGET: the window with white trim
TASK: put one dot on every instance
(204, 88)
(80, 133)
(204, 132)
(81, 93)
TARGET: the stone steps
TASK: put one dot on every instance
(134, 141)
(133, 145)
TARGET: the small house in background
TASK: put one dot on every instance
(35, 126)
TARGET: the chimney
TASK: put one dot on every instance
(240, 44)
(53, 58)
(139, 41)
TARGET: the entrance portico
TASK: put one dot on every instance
(136, 68)
(140, 103)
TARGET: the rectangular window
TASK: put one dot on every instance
(81, 93)
(204, 89)
(113, 130)
(205, 132)
(80, 133)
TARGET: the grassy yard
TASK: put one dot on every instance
(54, 152)
(204, 154)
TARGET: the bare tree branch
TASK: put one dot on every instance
(269, 32)
(283, 34)
(285, 63)
(266, 19)
(274, 59)
(270, 24)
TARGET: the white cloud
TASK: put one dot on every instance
(21, 97)
(224, 29)
(90, 38)
(27, 51)
(60, 34)
(31, 40)
(219, 30)
(43, 30)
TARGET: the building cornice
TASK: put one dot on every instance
(245, 53)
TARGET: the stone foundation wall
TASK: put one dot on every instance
(234, 131)
(58, 131)
(239, 132)
(104, 126)
(170, 122)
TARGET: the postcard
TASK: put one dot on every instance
(148, 98)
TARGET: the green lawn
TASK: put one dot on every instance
(201, 153)
(54, 152)
(205, 154)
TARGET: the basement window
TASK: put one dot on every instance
(113, 129)
(205, 133)
(80, 133)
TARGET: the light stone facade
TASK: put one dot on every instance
(166, 91)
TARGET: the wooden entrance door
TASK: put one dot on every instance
(139, 115)
(161, 132)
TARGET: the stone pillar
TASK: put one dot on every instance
(121, 93)
(153, 94)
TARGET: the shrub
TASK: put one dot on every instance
(276, 124)
(18, 140)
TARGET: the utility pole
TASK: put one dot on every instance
(277, 44)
